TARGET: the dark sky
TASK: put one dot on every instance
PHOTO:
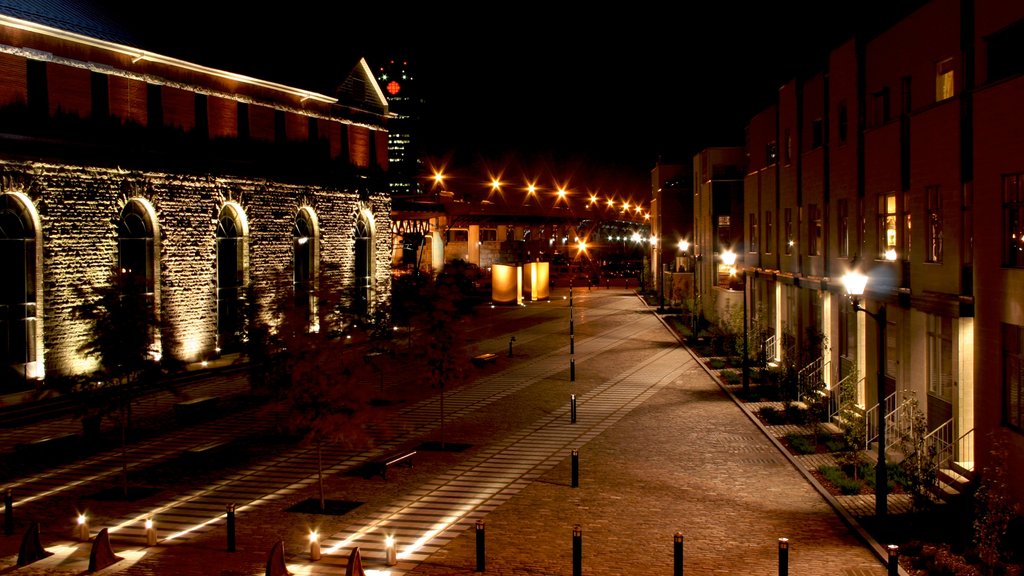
(575, 92)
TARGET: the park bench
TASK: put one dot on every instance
(380, 465)
(196, 409)
(206, 454)
(49, 448)
(488, 358)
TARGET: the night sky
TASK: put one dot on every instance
(590, 96)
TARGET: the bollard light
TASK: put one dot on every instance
(390, 554)
(677, 553)
(783, 556)
(575, 468)
(314, 545)
(572, 408)
(82, 529)
(893, 564)
(231, 527)
(480, 563)
(577, 550)
(150, 532)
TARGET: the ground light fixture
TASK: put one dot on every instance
(314, 545)
(82, 528)
(390, 554)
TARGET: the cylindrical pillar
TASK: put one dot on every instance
(575, 468)
(479, 545)
(572, 408)
(577, 550)
(783, 556)
(893, 564)
(231, 527)
(572, 344)
(9, 511)
(572, 369)
(677, 553)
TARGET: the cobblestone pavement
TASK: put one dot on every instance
(678, 455)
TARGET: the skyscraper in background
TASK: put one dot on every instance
(405, 158)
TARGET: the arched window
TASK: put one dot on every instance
(17, 293)
(231, 258)
(304, 248)
(135, 241)
(364, 266)
(136, 255)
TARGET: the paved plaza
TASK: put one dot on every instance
(660, 447)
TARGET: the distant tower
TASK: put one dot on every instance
(405, 162)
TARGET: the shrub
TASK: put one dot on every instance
(840, 480)
(731, 376)
(796, 413)
(716, 363)
(801, 444)
(771, 415)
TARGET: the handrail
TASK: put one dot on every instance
(842, 395)
(810, 378)
(940, 442)
(965, 450)
(898, 421)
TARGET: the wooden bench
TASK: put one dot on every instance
(488, 358)
(196, 409)
(380, 465)
(49, 448)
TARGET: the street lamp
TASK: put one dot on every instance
(855, 282)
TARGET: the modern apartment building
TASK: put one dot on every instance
(903, 161)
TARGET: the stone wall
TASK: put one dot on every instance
(79, 208)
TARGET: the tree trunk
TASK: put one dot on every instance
(320, 474)
(124, 452)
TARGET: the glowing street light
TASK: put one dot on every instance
(855, 283)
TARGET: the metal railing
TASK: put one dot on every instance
(811, 379)
(771, 353)
(940, 442)
(947, 451)
(898, 420)
(842, 396)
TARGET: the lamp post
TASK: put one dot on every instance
(855, 283)
(746, 345)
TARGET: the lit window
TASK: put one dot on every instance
(887, 226)
(944, 80)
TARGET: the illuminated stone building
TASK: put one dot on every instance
(903, 161)
(201, 182)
